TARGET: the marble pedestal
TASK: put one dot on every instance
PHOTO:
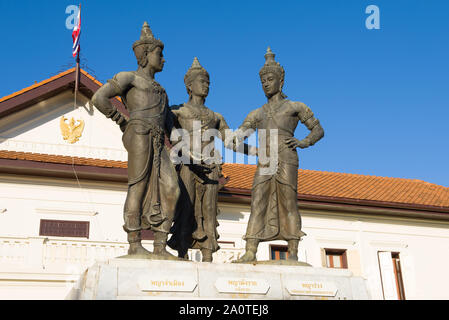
(157, 279)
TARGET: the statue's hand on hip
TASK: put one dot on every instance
(295, 143)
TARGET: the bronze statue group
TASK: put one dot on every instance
(181, 198)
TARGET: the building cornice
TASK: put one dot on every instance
(360, 207)
(230, 195)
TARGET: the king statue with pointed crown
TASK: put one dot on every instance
(153, 188)
(196, 219)
(274, 208)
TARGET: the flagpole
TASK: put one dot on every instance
(77, 75)
(77, 71)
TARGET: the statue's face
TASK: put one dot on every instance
(156, 59)
(200, 86)
(271, 84)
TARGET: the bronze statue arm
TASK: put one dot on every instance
(250, 122)
(172, 123)
(316, 131)
(234, 144)
(313, 124)
(111, 89)
(247, 149)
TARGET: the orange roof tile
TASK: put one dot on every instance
(91, 77)
(36, 85)
(310, 182)
(13, 155)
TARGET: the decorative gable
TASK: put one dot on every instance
(54, 125)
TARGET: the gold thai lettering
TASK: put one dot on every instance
(245, 283)
(312, 292)
(311, 286)
(167, 283)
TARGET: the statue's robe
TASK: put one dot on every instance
(148, 157)
(274, 209)
(200, 184)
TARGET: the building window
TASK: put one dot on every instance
(398, 274)
(336, 258)
(62, 228)
(279, 252)
(147, 234)
(391, 275)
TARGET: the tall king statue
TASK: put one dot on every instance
(153, 189)
(274, 207)
(201, 181)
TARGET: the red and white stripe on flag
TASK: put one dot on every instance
(76, 34)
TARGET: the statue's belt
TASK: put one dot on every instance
(154, 105)
(137, 114)
(155, 120)
(155, 129)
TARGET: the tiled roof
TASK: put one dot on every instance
(36, 85)
(49, 158)
(310, 183)
(39, 84)
(351, 186)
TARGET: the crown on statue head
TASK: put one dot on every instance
(271, 65)
(195, 70)
(147, 38)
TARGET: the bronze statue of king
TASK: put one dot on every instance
(153, 189)
(274, 208)
(196, 221)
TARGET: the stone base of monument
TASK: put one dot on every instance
(157, 279)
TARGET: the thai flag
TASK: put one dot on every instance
(76, 33)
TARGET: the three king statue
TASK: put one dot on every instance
(166, 196)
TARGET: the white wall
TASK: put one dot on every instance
(423, 245)
(29, 200)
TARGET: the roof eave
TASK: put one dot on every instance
(88, 86)
(353, 206)
(61, 170)
(233, 195)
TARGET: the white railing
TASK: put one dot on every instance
(13, 250)
(57, 252)
(60, 254)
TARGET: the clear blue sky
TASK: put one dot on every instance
(382, 96)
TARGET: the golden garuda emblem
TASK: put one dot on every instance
(70, 131)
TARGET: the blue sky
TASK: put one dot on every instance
(382, 96)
